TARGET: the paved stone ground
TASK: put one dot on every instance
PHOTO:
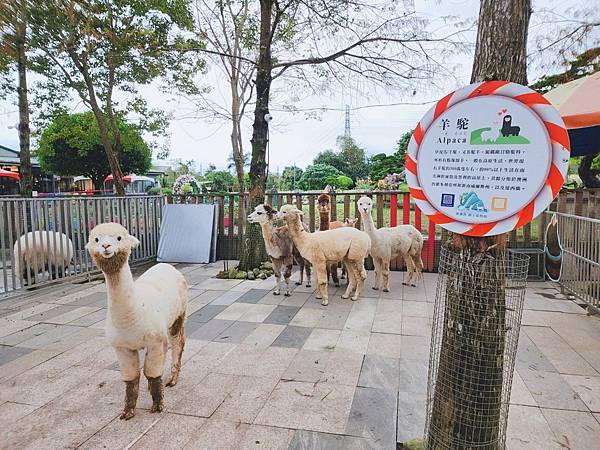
(274, 372)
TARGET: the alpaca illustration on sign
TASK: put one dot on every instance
(508, 133)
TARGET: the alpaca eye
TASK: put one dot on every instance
(118, 238)
(97, 240)
(258, 212)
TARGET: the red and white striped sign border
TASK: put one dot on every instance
(560, 144)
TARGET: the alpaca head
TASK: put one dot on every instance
(110, 245)
(365, 205)
(323, 204)
(262, 214)
(289, 213)
(350, 222)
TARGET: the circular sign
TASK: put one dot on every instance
(487, 158)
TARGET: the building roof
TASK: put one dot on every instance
(10, 156)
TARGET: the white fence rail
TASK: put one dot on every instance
(43, 221)
(580, 240)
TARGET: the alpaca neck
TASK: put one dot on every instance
(267, 232)
(299, 236)
(324, 224)
(369, 226)
(122, 306)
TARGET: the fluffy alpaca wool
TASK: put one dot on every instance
(280, 248)
(348, 245)
(146, 314)
(37, 247)
(390, 242)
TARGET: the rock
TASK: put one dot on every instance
(223, 274)
(241, 275)
(233, 272)
(262, 276)
(267, 265)
(251, 276)
(256, 271)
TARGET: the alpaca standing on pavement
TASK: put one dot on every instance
(323, 248)
(146, 314)
(390, 242)
(280, 248)
(323, 204)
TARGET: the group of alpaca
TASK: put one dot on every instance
(337, 242)
(149, 313)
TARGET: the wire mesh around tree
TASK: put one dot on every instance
(477, 316)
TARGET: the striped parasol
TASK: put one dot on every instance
(578, 103)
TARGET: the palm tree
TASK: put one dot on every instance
(231, 160)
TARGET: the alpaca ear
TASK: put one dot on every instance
(134, 241)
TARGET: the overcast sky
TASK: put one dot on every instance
(293, 137)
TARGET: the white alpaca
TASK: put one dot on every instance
(146, 314)
(489, 135)
(280, 248)
(390, 242)
(349, 245)
(43, 249)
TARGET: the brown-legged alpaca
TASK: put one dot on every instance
(280, 248)
(148, 313)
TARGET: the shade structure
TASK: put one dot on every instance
(9, 174)
(578, 102)
(130, 178)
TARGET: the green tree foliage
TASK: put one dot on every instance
(290, 178)
(71, 145)
(340, 182)
(350, 159)
(101, 48)
(584, 64)
(314, 177)
(220, 180)
(382, 164)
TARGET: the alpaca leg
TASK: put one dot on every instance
(308, 268)
(386, 275)
(322, 284)
(334, 275)
(343, 271)
(286, 277)
(361, 276)
(177, 338)
(129, 363)
(300, 262)
(418, 263)
(277, 273)
(377, 263)
(154, 366)
(410, 268)
(351, 280)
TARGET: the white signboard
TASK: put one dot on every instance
(487, 158)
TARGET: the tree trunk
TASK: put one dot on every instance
(588, 176)
(467, 401)
(501, 48)
(111, 154)
(253, 247)
(26, 182)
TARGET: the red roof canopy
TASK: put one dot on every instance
(8, 174)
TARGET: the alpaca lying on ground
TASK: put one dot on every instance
(390, 242)
(323, 248)
(280, 248)
(148, 313)
(49, 250)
